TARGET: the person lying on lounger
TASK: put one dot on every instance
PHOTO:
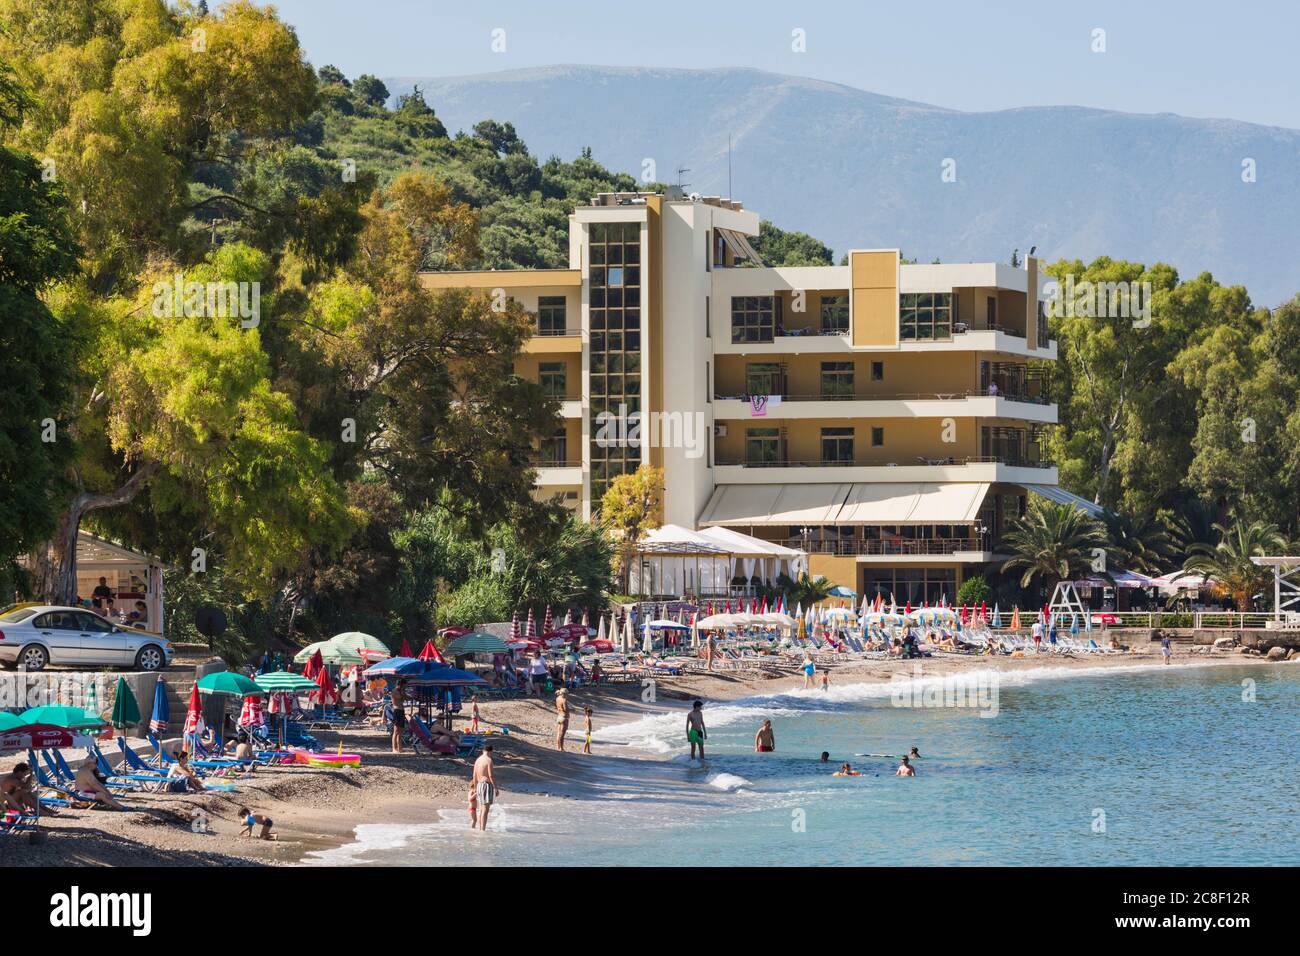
(89, 785)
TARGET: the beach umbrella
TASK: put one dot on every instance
(647, 642)
(1074, 623)
(9, 721)
(91, 703)
(284, 682)
(161, 712)
(40, 737)
(230, 684)
(1015, 618)
(514, 627)
(477, 642)
(600, 631)
(405, 650)
(695, 630)
(363, 645)
(430, 652)
(530, 629)
(70, 718)
(568, 616)
(548, 624)
(325, 691)
(997, 616)
(396, 668)
(126, 710)
(446, 677)
(586, 621)
(194, 725)
(627, 634)
(251, 714)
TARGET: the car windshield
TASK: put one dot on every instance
(18, 614)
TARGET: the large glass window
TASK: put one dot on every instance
(615, 347)
(763, 378)
(555, 449)
(837, 446)
(837, 380)
(551, 319)
(553, 378)
(762, 446)
(835, 314)
(925, 315)
(754, 317)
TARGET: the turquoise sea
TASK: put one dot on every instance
(1131, 766)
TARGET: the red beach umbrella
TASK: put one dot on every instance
(406, 648)
(548, 623)
(327, 692)
(251, 714)
(430, 653)
(315, 663)
(530, 629)
(194, 725)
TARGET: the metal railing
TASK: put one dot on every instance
(882, 463)
(555, 463)
(556, 333)
(1183, 620)
(894, 397)
(885, 546)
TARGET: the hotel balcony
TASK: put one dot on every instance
(1001, 339)
(956, 404)
(918, 469)
(554, 342)
(552, 471)
(898, 550)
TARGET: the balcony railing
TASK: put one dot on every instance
(886, 546)
(884, 463)
(556, 333)
(544, 462)
(897, 396)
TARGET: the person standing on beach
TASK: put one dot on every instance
(398, 703)
(473, 719)
(561, 717)
(485, 785)
(473, 804)
(586, 726)
(1166, 650)
(765, 739)
(695, 731)
(710, 651)
(1037, 632)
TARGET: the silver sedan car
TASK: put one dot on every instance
(35, 635)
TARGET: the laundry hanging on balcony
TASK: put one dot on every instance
(759, 404)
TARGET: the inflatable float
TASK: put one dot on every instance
(326, 760)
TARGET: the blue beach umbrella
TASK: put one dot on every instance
(997, 616)
(161, 714)
(1074, 624)
(399, 668)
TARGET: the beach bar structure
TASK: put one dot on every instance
(672, 561)
(1286, 586)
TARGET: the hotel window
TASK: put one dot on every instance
(877, 437)
(762, 446)
(991, 312)
(1042, 325)
(708, 326)
(555, 450)
(754, 317)
(719, 248)
(615, 349)
(553, 378)
(925, 315)
(877, 371)
(708, 380)
(835, 314)
(837, 446)
(837, 380)
(551, 318)
(763, 378)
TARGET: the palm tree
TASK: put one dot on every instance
(805, 590)
(1053, 542)
(1228, 563)
(1193, 523)
(1138, 542)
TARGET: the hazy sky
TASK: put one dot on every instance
(1230, 58)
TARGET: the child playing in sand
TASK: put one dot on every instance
(586, 723)
(251, 820)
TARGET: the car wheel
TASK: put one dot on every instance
(34, 657)
(149, 659)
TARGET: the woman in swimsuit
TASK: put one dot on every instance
(846, 771)
(399, 715)
(765, 740)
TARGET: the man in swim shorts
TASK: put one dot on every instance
(485, 785)
(695, 731)
(765, 739)
(905, 769)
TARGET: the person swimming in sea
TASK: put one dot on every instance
(905, 769)
(826, 756)
(914, 753)
(846, 771)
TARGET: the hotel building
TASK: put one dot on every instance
(882, 416)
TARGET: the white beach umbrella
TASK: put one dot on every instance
(627, 634)
(600, 631)
(695, 630)
(647, 642)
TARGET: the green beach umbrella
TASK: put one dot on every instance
(284, 682)
(330, 653)
(73, 718)
(9, 721)
(477, 642)
(126, 710)
(230, 684)
(91, 706)
(356, 642)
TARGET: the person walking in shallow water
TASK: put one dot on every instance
(765, 739)
(695, 732)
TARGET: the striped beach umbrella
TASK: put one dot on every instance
(514, 628)
(548, 623)
(530, 629)
(283, 682)
(161, 712)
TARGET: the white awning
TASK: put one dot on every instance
(733, 542)
(674, 539)
(774, 504)
(1063, 497)
(948, 503)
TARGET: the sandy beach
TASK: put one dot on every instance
(317, 808)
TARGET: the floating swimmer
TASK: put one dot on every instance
(846, 771)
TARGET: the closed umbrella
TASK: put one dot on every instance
(126, 711)
(251, 714)
(548, 624)
(194, 725)
(997, 616)
(600, 630)
(91, 705)
(514, 628)
(431, 653)
(161, 710)
(325, 691)
(529, 629)
(406, 649)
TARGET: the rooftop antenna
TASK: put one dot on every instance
(680, 171)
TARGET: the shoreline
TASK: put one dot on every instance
(317, 810)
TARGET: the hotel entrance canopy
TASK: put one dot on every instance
(862, 503)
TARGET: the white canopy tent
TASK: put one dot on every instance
(675, 560)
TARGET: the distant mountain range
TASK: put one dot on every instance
(858, 170)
